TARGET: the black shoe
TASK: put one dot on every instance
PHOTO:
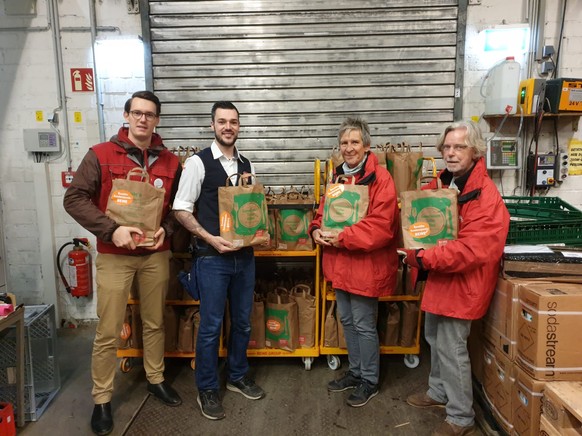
(247, 387)
(165, 393)
(210, 404)
(101, 420)
(347, 381)
(363, 393)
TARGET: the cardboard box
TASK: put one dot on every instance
(526, 401)
(475, 346)
(500, 322)
(548, 344)
(499, 377)
(547, 429)
(562, 407)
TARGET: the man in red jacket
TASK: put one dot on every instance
(462, 274)
(120, 260)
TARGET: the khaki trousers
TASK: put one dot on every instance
(115, 275)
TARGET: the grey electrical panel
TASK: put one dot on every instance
(41, 141)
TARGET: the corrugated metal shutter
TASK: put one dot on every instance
(296, 69)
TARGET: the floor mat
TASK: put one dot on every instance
(297, 403)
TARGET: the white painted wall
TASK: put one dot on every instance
(28, 84)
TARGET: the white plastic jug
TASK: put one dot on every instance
(501, 84)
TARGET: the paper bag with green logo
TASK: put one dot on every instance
(243, 212)
(282, 323)
(428, 217)
(345, 205)
(137, 203)
(294, 213)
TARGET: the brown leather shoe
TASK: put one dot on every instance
(446, 429)
(422, 401)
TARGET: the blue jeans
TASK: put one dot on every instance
(449, 380)
(359, 317)
(220, 277)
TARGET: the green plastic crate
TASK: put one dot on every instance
(543, 220)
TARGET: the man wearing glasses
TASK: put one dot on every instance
(120, 261)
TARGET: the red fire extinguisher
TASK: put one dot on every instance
(80, 270)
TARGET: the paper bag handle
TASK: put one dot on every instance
(138, 171)
(242, 178)
(349, 179)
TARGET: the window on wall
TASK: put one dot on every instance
(120, 60)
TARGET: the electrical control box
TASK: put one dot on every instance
(41, 141)
(503, 153)
(531, 93)
(541, 172)
(563, 95)
(562, 167)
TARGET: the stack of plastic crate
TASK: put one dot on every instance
(543, 220)
(42, 380)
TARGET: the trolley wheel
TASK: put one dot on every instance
(125, 364)
(307, 361)
(333, 362)
(193, 363)
(411, 360)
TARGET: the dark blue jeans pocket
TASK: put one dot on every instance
(188, 280)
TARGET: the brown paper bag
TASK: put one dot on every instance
(257, 338)
(380, 152)
(392, 325)
(170, 328)
(282, 323)
(188, 330)
(410, 313)
(243, 213)
(405, 166)
(306, 312)
(345, 205)
(137, 204)
(330, 327)
(428, 217)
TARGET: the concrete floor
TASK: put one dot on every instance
(297, 400)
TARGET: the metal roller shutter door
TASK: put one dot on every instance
(296, 69)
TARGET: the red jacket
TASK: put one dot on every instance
(86, 198)
(366, 262)
(462, 273)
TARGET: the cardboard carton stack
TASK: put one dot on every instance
(530, 339)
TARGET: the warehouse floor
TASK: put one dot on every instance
(297, 400)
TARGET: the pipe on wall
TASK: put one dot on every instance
(93, 18)
(58, 54)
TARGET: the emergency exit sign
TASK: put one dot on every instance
(82, 80)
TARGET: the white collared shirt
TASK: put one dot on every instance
(193, 175)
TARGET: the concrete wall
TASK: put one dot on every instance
(35, 225)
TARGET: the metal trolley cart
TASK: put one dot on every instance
(411, 359)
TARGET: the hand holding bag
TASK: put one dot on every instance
(135, 203)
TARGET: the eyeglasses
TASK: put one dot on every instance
(150, 116)
(456, 147)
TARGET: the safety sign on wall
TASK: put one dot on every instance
(575, 152)
(82, 79)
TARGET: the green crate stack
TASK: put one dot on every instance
(543, 220)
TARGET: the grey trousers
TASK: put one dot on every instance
(450, 373)
(359, 316)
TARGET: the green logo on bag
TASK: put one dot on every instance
(293, 225)
(436, 212)
(248, 215)
(342, 211)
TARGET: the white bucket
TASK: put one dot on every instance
(501, 84)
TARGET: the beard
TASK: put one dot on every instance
(220, 139)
